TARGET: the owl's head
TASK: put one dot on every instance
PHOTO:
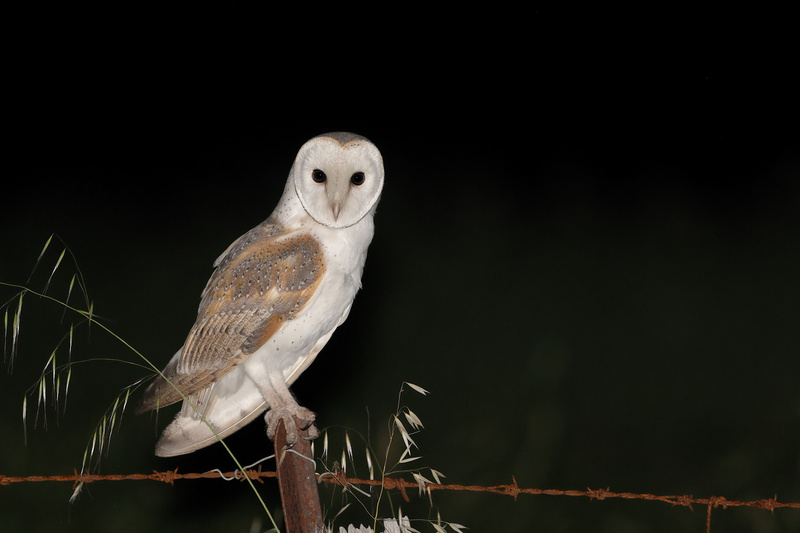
(338, 178)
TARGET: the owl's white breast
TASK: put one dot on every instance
(345, 249)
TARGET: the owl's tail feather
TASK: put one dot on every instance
(188, 432)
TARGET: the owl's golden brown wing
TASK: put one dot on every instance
(264, 279)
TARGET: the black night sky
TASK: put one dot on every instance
(586, 249)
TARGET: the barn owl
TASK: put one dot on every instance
(275, 298)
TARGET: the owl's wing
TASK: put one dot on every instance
(264, 279)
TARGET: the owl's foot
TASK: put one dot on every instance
(292, 418)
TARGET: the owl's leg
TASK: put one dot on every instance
(284, 407)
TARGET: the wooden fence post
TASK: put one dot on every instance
(302, 511)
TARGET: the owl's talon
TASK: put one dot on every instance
(302, 417)
(313, 432)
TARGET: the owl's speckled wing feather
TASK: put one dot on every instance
(264, 279)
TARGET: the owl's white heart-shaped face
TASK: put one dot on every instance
(338, 178)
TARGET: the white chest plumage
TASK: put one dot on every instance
(274, 300)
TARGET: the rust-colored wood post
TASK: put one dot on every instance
(302, 511)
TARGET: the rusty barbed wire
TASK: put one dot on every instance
(399, 484)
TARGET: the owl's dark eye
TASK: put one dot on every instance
(357, 178)
(318, 176)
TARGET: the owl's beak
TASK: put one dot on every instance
(337, 197)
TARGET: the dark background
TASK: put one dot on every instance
(586, 250)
